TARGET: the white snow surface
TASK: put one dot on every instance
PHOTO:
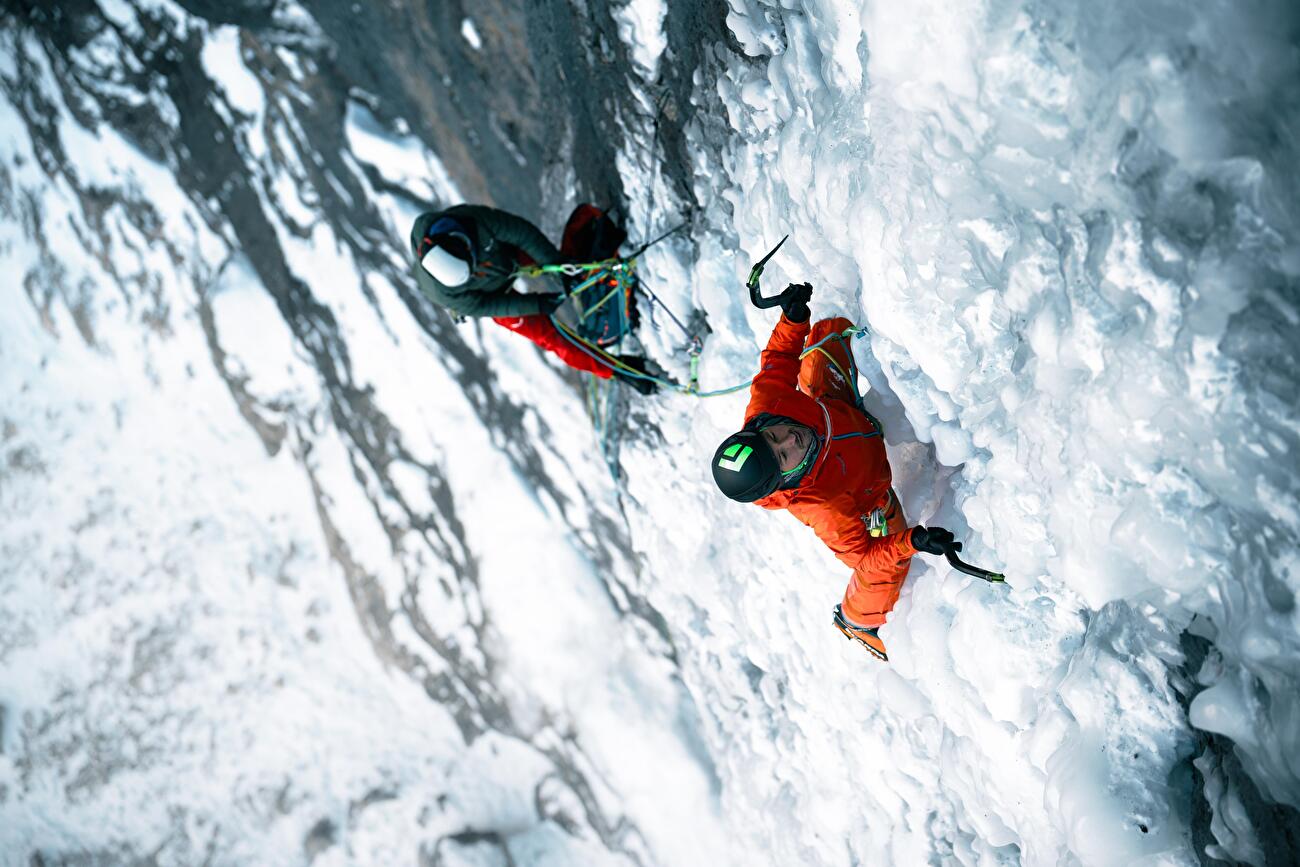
(641, 26)
(1020, 205)
(1059, 236)
(469, 33)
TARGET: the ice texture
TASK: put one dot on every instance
(295, 571)
(1072, 235)
(641, 26)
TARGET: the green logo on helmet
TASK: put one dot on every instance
(731, 461)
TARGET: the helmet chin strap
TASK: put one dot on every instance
(785, 474)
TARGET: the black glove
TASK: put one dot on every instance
(637, 363)
(548, 304)
(794, 302)
(934, 540)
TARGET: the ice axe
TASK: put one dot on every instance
(961, 566)
(755, 293)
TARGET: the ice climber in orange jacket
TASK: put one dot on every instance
(809, 448)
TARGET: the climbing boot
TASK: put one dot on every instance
(864, 635)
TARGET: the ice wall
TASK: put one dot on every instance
(1072, 233)
(258, 597)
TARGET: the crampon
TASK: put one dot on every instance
(865, 636)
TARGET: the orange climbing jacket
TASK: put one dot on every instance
(850, 477)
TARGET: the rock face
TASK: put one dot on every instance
(245, 618)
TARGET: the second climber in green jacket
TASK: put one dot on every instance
(467, 258)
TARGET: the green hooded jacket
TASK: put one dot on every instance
(498, 237)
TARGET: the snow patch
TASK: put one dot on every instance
(641, 27)
(224, 64)
(469, 33)
(401, 159)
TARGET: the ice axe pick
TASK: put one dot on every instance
(755, 293)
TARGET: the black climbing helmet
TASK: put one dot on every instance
(745, 468)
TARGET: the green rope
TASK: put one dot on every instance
(692, 387)
(574, 269)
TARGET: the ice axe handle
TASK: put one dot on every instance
(975, 571)
(763, 303)
(755, 292)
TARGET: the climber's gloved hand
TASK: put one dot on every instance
(934, 540)
(637, 363)
(794, 302)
